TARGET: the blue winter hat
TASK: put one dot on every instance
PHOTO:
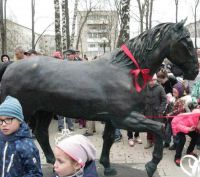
(11, 107)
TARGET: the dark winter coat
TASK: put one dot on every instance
(155, 101)
(168, 85)
(19, 157)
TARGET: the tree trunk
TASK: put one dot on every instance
(176, 3)
(33, 23)
(5, 25)
(150, 14)
(2, 29)
(67, 23)
(64, 38)
(57, 25)
(195, 23)
(142, 7)
(125, 19)
(147, 15)
(73, 23)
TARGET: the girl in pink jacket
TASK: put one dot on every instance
(186, 124)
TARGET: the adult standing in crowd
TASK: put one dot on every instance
(58, 55)
(69, 55)
(166, 81)
(85, 57)
(77, 56)
(30, 53)
(19, 53)
(5, 58)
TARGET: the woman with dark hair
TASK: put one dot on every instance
(166, 81)
(5, 58)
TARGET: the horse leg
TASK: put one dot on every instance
(108, 139)
(43, 120)
(137, 122)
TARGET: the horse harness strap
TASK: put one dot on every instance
(135, 72)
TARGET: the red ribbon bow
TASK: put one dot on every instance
(135, 72)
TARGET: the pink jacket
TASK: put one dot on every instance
(184, 121)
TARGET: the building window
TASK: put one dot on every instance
(89, 35)
(93, 27)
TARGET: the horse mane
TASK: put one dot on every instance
(144, 44)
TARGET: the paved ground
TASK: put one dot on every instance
(129, 161)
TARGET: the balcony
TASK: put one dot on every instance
(101, 21)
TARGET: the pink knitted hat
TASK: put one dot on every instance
(79, 148)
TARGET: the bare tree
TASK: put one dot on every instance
(73, 23)
(57, 25)
(114, 21)
(5, 26)
(142, 7)
(147, 14)
(2, 26)
(150, 13)
(83, 19)
(67, 23)
(195, 23)
(176, 3)
(39, 37)
(124, 22)
(64, 37)
(33, 23)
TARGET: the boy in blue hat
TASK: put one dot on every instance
(18, 154)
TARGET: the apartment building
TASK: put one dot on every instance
(19, 35)
(99, 33)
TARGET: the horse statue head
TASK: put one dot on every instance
(182, 53)
(166, 40)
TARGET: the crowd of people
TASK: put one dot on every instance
(169, 100)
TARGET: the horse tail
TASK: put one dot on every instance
(3, 67)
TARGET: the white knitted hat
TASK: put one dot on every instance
(79, 148)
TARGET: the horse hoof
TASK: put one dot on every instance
(150, 168)
(110, 172)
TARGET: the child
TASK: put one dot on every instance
(179, 106)
(155, 104)
(75, 157)
(18, 153)
(186, 124)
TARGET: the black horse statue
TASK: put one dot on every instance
(100, 90)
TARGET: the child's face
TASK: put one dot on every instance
(64, 165)
(9, 125)
(152, 82)
(175, 93)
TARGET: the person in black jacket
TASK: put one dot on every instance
(155, 104)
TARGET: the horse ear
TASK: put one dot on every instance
(180, 24)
